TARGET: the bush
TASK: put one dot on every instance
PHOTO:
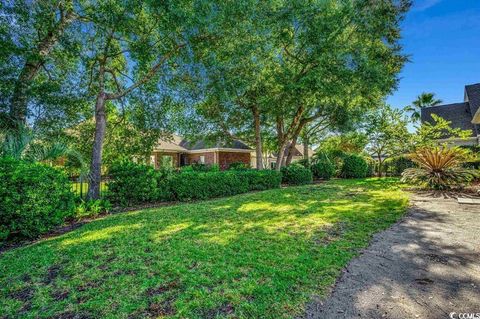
(188, 186)
(323, 168)
(354, 166)
(304, 162)
(395, 166)
(238, 166)
(197, 167)
(92, 208)
(295, 174)
(132, 183)
(440, 168)
(34, 198)
(259, 180)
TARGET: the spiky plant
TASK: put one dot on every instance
(20, 143)
(440, 168)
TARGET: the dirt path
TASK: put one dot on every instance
(425, 266)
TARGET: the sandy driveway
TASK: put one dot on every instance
(425, 266)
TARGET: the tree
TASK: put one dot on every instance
(133, 45)
(351, 142)
(332, 56)
(432, 134)
(422, 101)
(33, 45)
(387, 133)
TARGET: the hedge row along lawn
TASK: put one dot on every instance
(256, 255)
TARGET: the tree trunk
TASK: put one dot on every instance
(291, 148)
(305, 148)
(281, 155)
(19, 101)
(291, 151)
(96, 163)
(380, 165)
(258, 138)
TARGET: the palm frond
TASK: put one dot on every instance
(439, 168)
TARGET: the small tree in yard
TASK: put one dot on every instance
(387, 133)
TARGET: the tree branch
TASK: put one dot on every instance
(153, 70)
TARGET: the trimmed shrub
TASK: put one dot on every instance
(238, 166)
(354, 166)
(323, 168)
(258, 180)
(197, 167)
(396, 165)
(295, 174)
(132, 183)
(188, 186)
(34, 198)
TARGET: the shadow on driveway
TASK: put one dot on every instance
(425, 266)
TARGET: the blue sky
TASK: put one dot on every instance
(442, 38)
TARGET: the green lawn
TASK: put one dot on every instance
(257, 255)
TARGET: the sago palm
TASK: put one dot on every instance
(439, 168)
(20, 143)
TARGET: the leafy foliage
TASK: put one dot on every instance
(188, 186)
(395, 166)
(33, 198)
(387, 134)
(296, 174)
(132, 183)
(354, 166)
(431, 134)
(440, 168)
(423, 100)
(323, 168)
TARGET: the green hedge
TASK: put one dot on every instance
(296, 174)
(188, 186)
(34, 198)
(354, 166)
(132, 183)
(396, 165)
(323, 168)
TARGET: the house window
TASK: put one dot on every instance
(202, 159)
(273, 165)
(152, 160)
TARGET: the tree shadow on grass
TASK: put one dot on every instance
(253, 255)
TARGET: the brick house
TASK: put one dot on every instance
(178, 152)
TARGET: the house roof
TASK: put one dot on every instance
(170, 144)
(459, 114)
(178, 144)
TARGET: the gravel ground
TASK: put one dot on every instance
(425, 266)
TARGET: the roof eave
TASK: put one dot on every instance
(476, 117)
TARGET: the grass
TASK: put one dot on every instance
(257, 255)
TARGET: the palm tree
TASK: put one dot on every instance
(20, 143)
(423, 100)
